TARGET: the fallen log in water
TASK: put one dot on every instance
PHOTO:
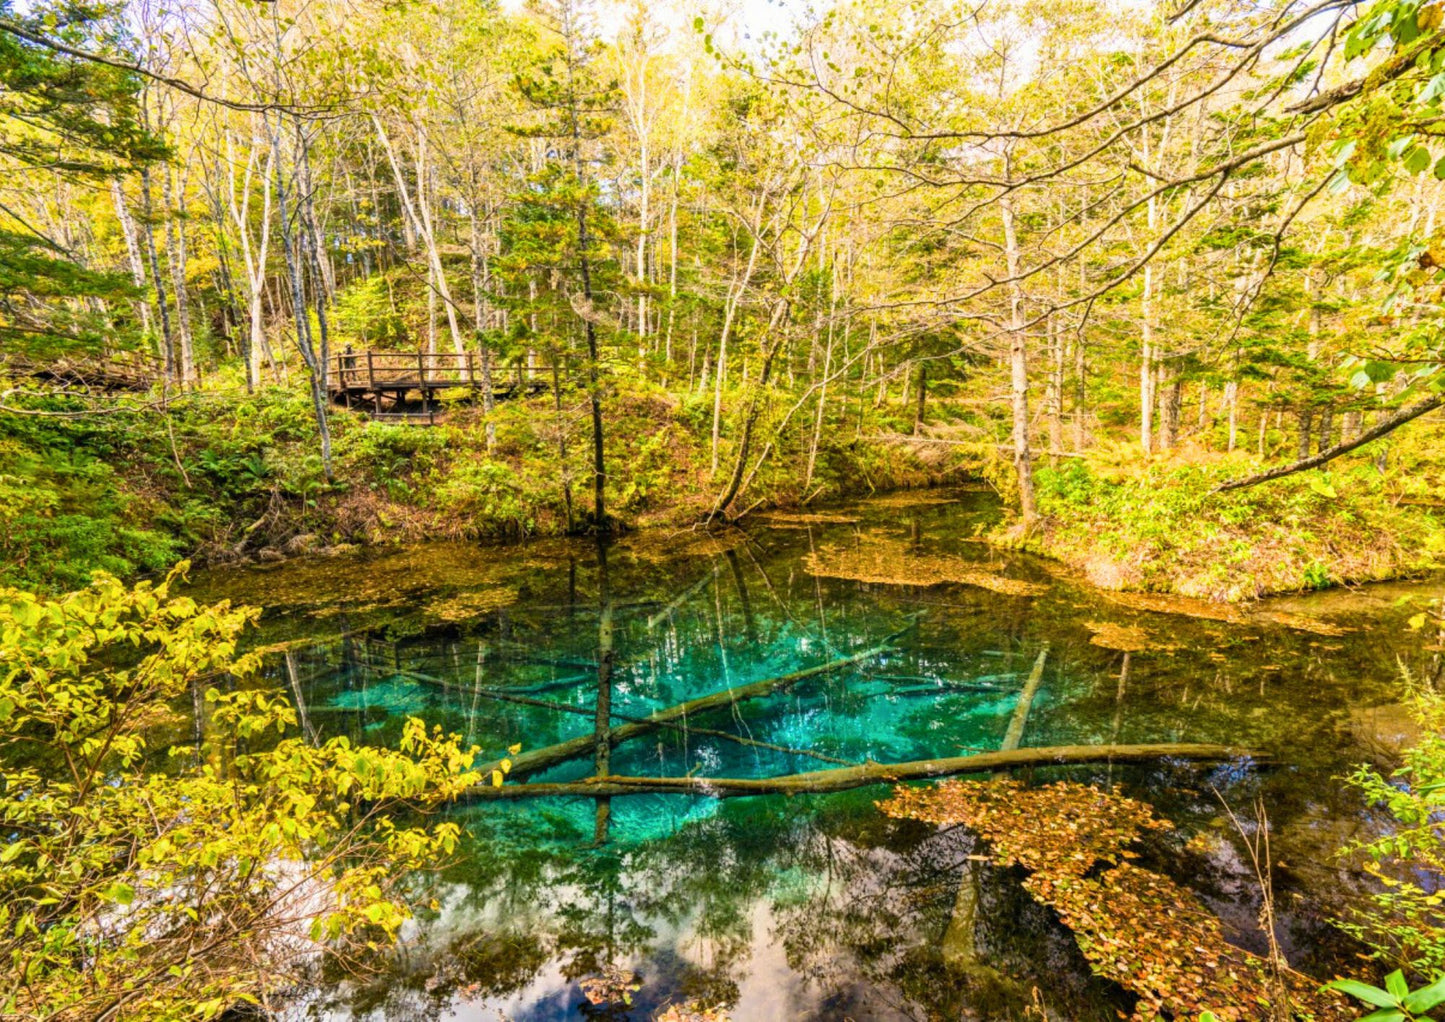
(844, 778)
(552, 755)
(510, 696)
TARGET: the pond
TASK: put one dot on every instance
(816, 906)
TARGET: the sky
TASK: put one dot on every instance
(732, 22)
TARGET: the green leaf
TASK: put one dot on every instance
(1322, 487)
(1364, 992)
(1426, 997)
(1384, 1015)
(120, 893)
(1396, 985)
(1417, 159)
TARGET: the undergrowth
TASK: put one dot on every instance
(1160, 525)
(234, 475)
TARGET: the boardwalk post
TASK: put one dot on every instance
(371, 382)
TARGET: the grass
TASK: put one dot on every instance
(1156, 525)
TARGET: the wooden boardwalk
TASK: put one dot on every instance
(383, 382)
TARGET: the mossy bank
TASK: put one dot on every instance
(231, 476)
(1162, 526)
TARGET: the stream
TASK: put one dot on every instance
(817, 907)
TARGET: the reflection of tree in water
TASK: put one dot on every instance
(857, 904)
(864, 909)
(861, 909)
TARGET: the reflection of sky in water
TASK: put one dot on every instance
(807, 907)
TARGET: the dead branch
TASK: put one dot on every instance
(1382, 428)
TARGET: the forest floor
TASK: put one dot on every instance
(1124, 522)
(233, 477)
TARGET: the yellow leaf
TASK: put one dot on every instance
(496, 778)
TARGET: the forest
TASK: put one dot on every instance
(728, 510)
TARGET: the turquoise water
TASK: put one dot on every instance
(813, 906)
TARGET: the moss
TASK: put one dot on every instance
(1159, 527)
(233, 474)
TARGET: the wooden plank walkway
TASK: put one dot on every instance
(380, 382)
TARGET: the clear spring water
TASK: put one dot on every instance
(813, 906)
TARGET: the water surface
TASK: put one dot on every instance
(816, 906)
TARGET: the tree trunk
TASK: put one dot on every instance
(176, 258)
(735, 294)
(1171, 395)
(294, 269)
(1056, 388)
(1080, 395)
(772, 342)
(168, 352)
(922, 397)
(132, 250)
(1023, 457)
(484, 350)
(1231, 399)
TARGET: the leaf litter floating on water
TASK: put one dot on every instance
(692, 1011)
(1124, 638)
(907, 499)
(1187, 606)
(1302, 622)
(1136, 927)
(465, 606)
(891, 562)
(804, 518)
(1209, 610)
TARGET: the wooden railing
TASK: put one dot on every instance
(423, 370)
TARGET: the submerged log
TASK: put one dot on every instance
(510, 696)
(823, 781)
(1014, 736)
(662, 615)
(552, 755)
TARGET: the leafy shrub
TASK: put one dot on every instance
(267, 851)
(1404, 923)
(488, 495)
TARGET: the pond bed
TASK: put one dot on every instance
(818, 906)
